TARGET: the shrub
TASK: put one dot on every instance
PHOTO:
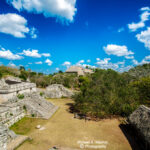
(20, 96)
(41, 93)
(33, 115)
(142, 87)
(24, 107)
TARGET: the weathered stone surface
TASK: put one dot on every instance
(3, 84)
(13, 109)
(10, 113)
(57, 91)
(6, 136)
(10, 89)
(11, 78)
(16, 142)
(37, 106)
(140, 120)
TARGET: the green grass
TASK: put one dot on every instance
(26, 125)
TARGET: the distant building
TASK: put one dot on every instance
(79, 70)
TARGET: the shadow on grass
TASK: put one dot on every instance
(132, 137)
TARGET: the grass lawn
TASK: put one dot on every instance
(65, 131)
(26, 125)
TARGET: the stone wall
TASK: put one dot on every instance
(6, 136)
(13, 90)
(10, 114)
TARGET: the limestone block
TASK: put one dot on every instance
(57, 91)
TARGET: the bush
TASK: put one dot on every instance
(106, 93)
(142, 87)
(20, 96)
(41, 93)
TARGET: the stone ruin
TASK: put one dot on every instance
(12, 109)
(58, 91)
(11, 87)
(140, 121)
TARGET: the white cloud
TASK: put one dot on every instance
(144, 37)
(34, 53)
(66, 63)
(125, 68)
(103, 62)
(79, 63)
(147, 57)
(145, 9)
(49, 62)
(13, 24)
(88, 61)
(129, 57)
(112, 49)
(144, 17)
(57, 69)
(61, 9)
(38, 63)
(135, 26)
(7, 54)
(89, 66)
(135, 62)
(46, 54)
(146, 60)
(11, 64)
(106, 64)
(31, 53)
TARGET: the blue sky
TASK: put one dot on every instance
(51, 35)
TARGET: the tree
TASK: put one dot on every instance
(105, 93)
(22, 68)
(0, 75)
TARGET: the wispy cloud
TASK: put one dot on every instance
(143, 18)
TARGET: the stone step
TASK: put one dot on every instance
(16, 142)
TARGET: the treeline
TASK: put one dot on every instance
(109, 93)
(41, 80)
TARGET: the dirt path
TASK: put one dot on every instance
(63, 130)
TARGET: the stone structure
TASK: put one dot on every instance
(10, 88)
(6, 136)
(11, 113)
(140, 121)
(9, 140)
(13, 109)
(37, 106)
(58, 91)
(80, 71)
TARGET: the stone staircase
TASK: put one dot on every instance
(38, 106)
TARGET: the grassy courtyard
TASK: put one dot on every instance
(64, 131)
